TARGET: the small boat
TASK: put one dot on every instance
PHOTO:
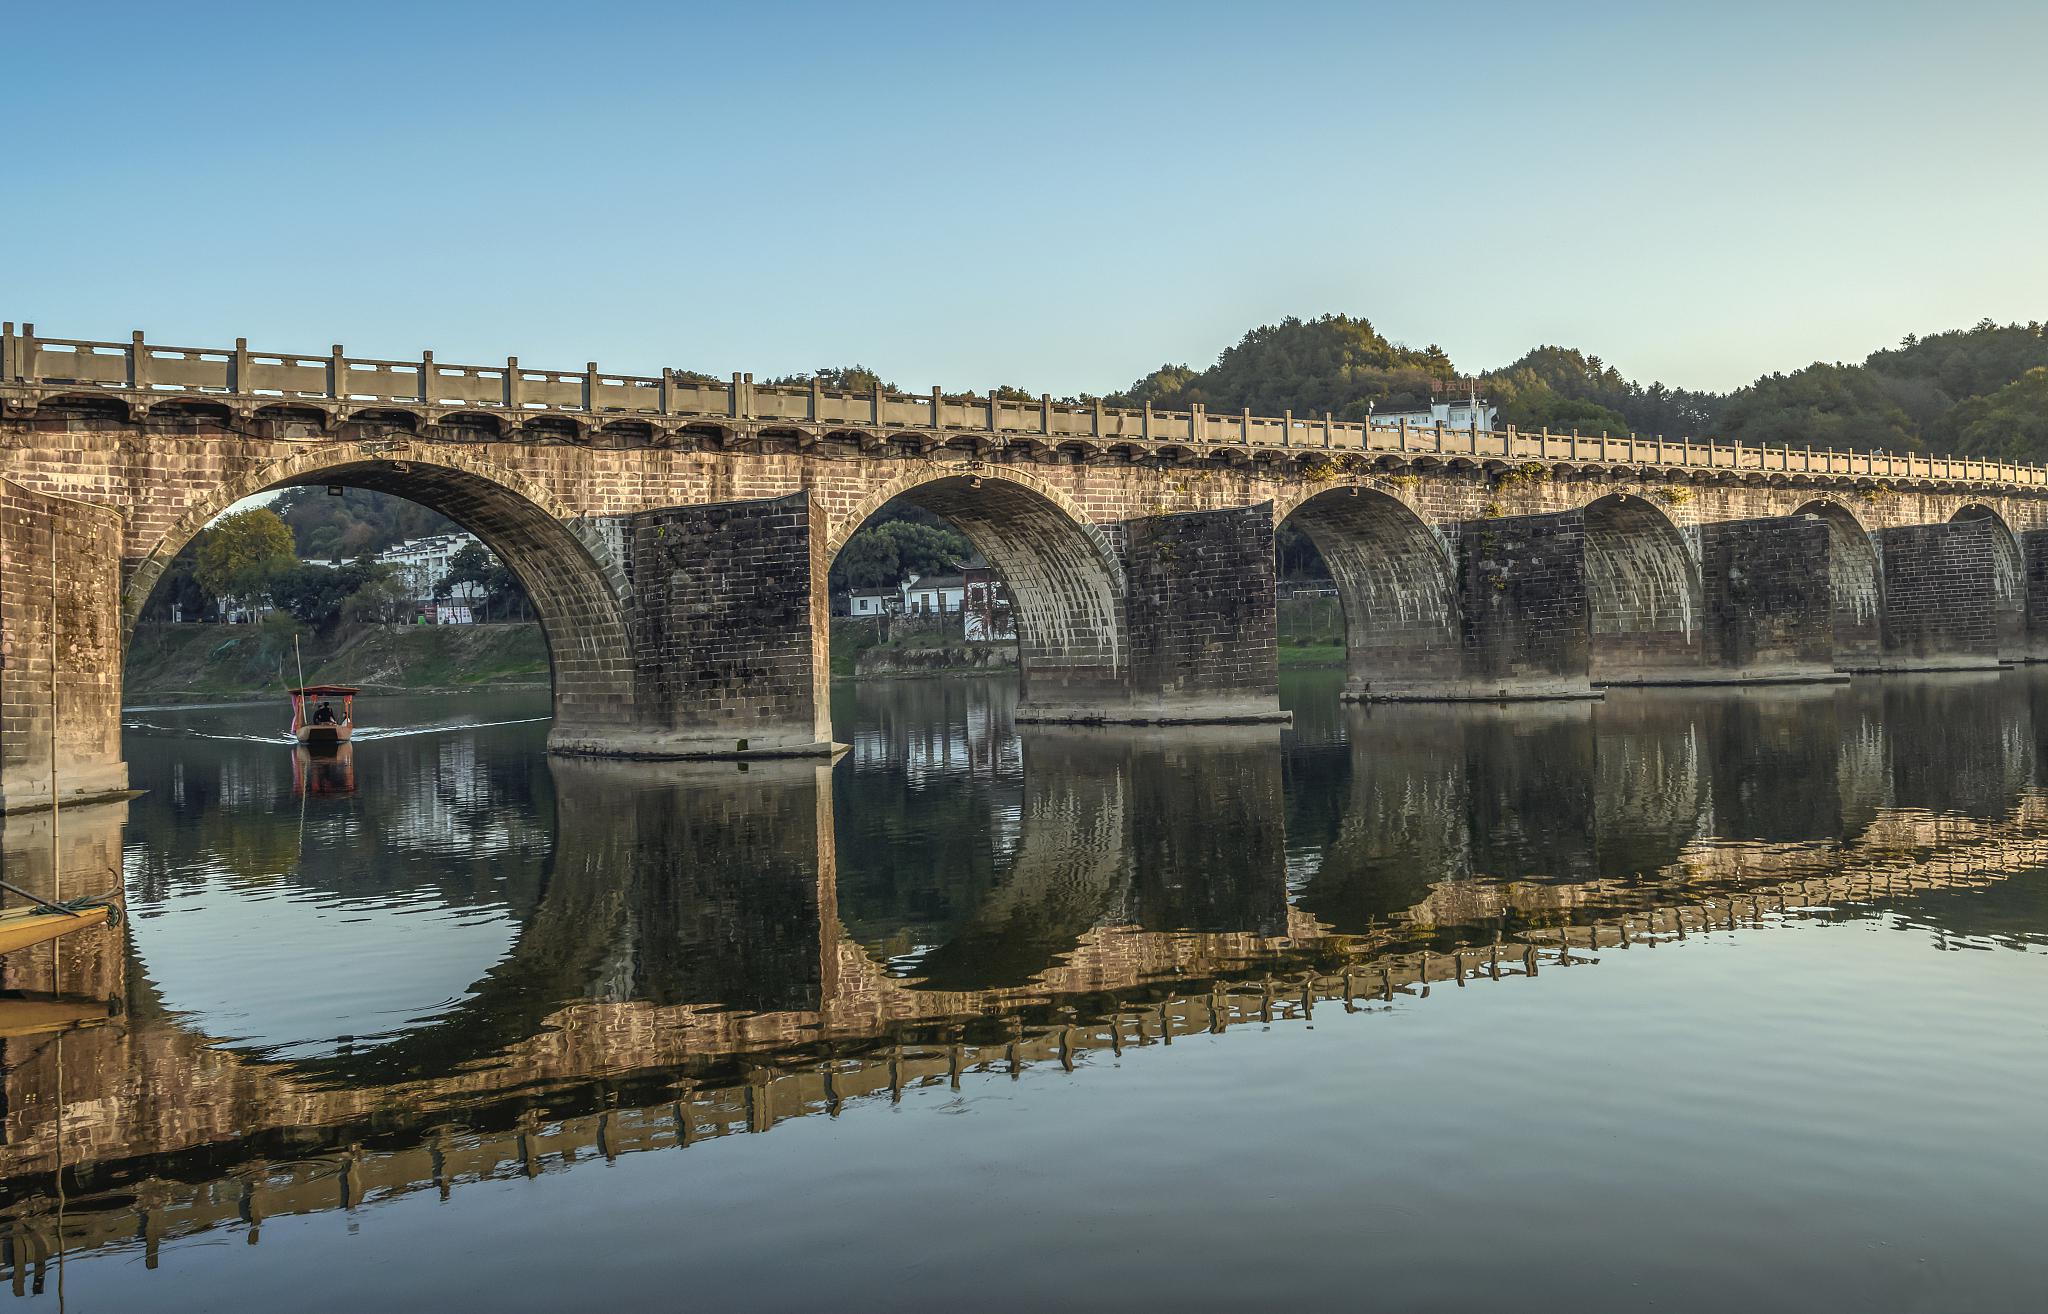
(22, 927)
(321, 724)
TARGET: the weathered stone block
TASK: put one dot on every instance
(1522, 608)
(1200, 616)
(1769, 602)
(728, 627)
(1940, 596)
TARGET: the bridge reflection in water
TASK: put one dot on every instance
(703, 950)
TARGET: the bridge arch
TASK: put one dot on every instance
(2008, 577)
(1395, 583)
(1066, 582)
(1643, 593)
(574, 581)
(1855, 582)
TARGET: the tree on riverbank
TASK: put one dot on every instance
(883, 555)
(238, 555)
(502, 596)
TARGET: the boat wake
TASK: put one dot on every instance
(362, 732)
(444, 727)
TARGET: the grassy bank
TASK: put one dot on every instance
(858, 653)
(168, 663)
(1308, 656)
(1311, 632)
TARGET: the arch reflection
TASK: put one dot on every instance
(703, 950)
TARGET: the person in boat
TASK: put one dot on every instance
(324, 714)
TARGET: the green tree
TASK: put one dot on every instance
(1821, 405)
(242, 552)
(473, 564)
(316, 595)
(381, 601)
(2009, 424)
(178, 593)
(1334, 363)
(1562, 388)
(835, 378)
(883, 553)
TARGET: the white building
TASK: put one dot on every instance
(975, 595)
(873, 602)
(1450, 414)
(420, 564)
(932, 595)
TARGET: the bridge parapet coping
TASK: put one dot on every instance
(34, 369)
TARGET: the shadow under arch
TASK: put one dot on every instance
(1643, 594)
(2008, 578)
(579, 596)
(1395, 583)
(1066, 583)
(1855, 584)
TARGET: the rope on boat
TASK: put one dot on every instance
(70, 907)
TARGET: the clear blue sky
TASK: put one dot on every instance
(1058, 197)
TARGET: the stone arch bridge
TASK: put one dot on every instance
(675, 535)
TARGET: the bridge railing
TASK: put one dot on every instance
(59, 364)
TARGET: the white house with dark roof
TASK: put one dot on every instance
(934, 595)
(874, 602)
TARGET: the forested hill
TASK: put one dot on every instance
(354, 522)
(1980, 391)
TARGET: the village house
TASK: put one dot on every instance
(874, 602)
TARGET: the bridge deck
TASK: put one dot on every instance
(337, 385)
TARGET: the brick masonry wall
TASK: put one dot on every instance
(82, 595)
(1769, 601)
(1522, 603)
(1200, 612)
(1940, 594)
(728, 626)
(2034, 552)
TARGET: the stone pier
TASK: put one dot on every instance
(60, 693)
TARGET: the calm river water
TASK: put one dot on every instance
(1684, 999)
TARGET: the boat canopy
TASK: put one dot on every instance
(325, 690)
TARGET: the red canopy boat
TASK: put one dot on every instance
(321, 723)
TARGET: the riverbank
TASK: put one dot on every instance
(859, 652)
(182, 663)
(188, 663)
